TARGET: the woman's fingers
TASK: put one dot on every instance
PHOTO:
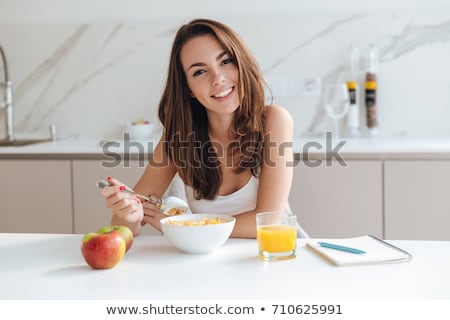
(131, 210)
(114, 181)
(150, 206)
(122, 204)
(114, 186)
(152, 215)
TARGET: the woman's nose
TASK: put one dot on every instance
(217, 77)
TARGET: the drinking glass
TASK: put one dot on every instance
(276, 234)
(336, 102)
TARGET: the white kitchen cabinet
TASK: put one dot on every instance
(417, 199)
(333, 201)
(402, 199)
(90, 212)
(35, 196)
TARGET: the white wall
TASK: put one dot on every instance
(106, 60)
(56, 11)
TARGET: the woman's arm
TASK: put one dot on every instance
(276, 170)
(128, 210)
(155, 180)
(158, 174)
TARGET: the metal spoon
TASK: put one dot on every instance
(170, 205)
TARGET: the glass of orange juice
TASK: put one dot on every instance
(276, 234)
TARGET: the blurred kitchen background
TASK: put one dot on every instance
(90, 66)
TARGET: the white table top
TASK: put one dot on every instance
(50, 266)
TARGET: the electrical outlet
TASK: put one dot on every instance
(295, 86)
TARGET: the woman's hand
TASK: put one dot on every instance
(152, 215)
(124, 206)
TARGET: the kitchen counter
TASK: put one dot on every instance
(363, 148)
(50, 266)
(79, 149)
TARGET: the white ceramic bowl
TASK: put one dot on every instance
(197, 238)
(139, 131)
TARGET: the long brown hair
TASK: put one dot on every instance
(185, 120)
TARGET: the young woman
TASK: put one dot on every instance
(230, 150)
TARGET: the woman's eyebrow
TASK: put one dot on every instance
(201, 64)
(221, 55)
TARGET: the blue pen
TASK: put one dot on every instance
(341, 248)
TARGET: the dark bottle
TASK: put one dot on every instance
(353, 75)
(371, 91)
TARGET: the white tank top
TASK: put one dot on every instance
(234, 203)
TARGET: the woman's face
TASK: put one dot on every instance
(211, 74)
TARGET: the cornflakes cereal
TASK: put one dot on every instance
(175, 211)
(198, 222)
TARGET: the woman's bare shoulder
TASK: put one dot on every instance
(275, 115)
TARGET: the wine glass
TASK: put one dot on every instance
(336, 101)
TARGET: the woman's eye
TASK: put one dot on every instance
(198, 72)
(227, 61)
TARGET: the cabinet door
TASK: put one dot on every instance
(35, 196)
(90, 212)
(417, 200)
(332, 200)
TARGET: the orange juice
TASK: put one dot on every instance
(276, 238)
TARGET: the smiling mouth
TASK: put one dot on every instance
(224, 93)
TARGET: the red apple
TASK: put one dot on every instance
(103, 250)
(126, 233)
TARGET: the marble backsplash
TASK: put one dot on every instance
(90, 78)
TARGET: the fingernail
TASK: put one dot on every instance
(109, 178)
(121, 188)
(138, 201)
